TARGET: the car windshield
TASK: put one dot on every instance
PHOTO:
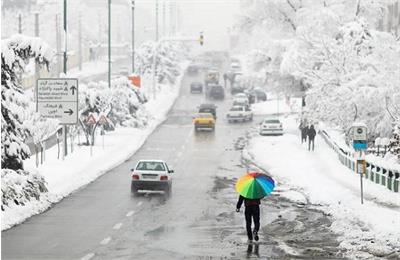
(204, 115)
(272, 121)
(236, 109)
(150, 166)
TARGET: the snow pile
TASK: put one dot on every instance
(335, 188)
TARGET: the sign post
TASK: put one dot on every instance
(91, 121)
(102, 121)
(57, 98)
(360, 141)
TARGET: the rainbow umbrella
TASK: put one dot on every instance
(255, 185)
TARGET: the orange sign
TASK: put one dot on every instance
(135, 80)
(91, 120)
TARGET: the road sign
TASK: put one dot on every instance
(103, 120)
(91, 120)
(57, 98)
(135, 80)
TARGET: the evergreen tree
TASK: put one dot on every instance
(16, 52)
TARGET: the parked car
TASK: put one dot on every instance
(216, 92)
(239, 113)
(154, 175)
(271, 127)
(196, 87)
(208, 108)
(204, 121)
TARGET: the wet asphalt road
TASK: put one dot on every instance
(103, 220)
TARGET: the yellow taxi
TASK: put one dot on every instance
(204, 121)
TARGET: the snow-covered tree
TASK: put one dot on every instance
(15, 53)
(18, 185)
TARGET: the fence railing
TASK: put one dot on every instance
(390, 178)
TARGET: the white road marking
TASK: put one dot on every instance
(88, 256)
(140, 203)
(105, 241)
(130, 213)
(117, 226)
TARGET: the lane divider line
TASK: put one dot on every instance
(105, 241)
(117, 226)
(130, 213)
(140, 203)
(88, 256)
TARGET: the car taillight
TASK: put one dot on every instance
(135, 177)
(164, 178)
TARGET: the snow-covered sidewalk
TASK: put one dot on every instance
(372, 227)
(79, 168)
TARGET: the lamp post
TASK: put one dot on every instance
(109, 43)
(133, 36)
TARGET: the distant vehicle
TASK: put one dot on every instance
(259, 94)
(193, 70)
(154, 175)
(216, 92)
(240, 103)
(204, 121)
(196, 87)
(241, 97)
(211, 77)
(271, 127)
(235, 66)
(208, 108)
(239, 113)
(237, 87)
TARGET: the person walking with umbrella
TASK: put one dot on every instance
(252, 187)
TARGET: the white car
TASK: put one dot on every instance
(154, 175)
(240, 102)
(271, 127)
(239, 113)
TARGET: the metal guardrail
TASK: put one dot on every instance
(390, 178)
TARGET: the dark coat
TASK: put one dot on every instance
(304, 131)
(247, 202)
(311, 133)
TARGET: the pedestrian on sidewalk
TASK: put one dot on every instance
(252, 211)
(303, 129)
(311, 133)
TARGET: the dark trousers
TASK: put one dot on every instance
(252, 211)
(310, 143)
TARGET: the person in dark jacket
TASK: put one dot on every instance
(311, 133)
(303, 129)
(252, 210)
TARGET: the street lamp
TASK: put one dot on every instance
(133, 36)
(109, 43)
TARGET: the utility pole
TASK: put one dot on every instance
(58, 44)
(80, 40)
(156, 20)
(164, 26)
(133, 36)
(65, 150)
(20, 24)
(109, 43)
(37, 68)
